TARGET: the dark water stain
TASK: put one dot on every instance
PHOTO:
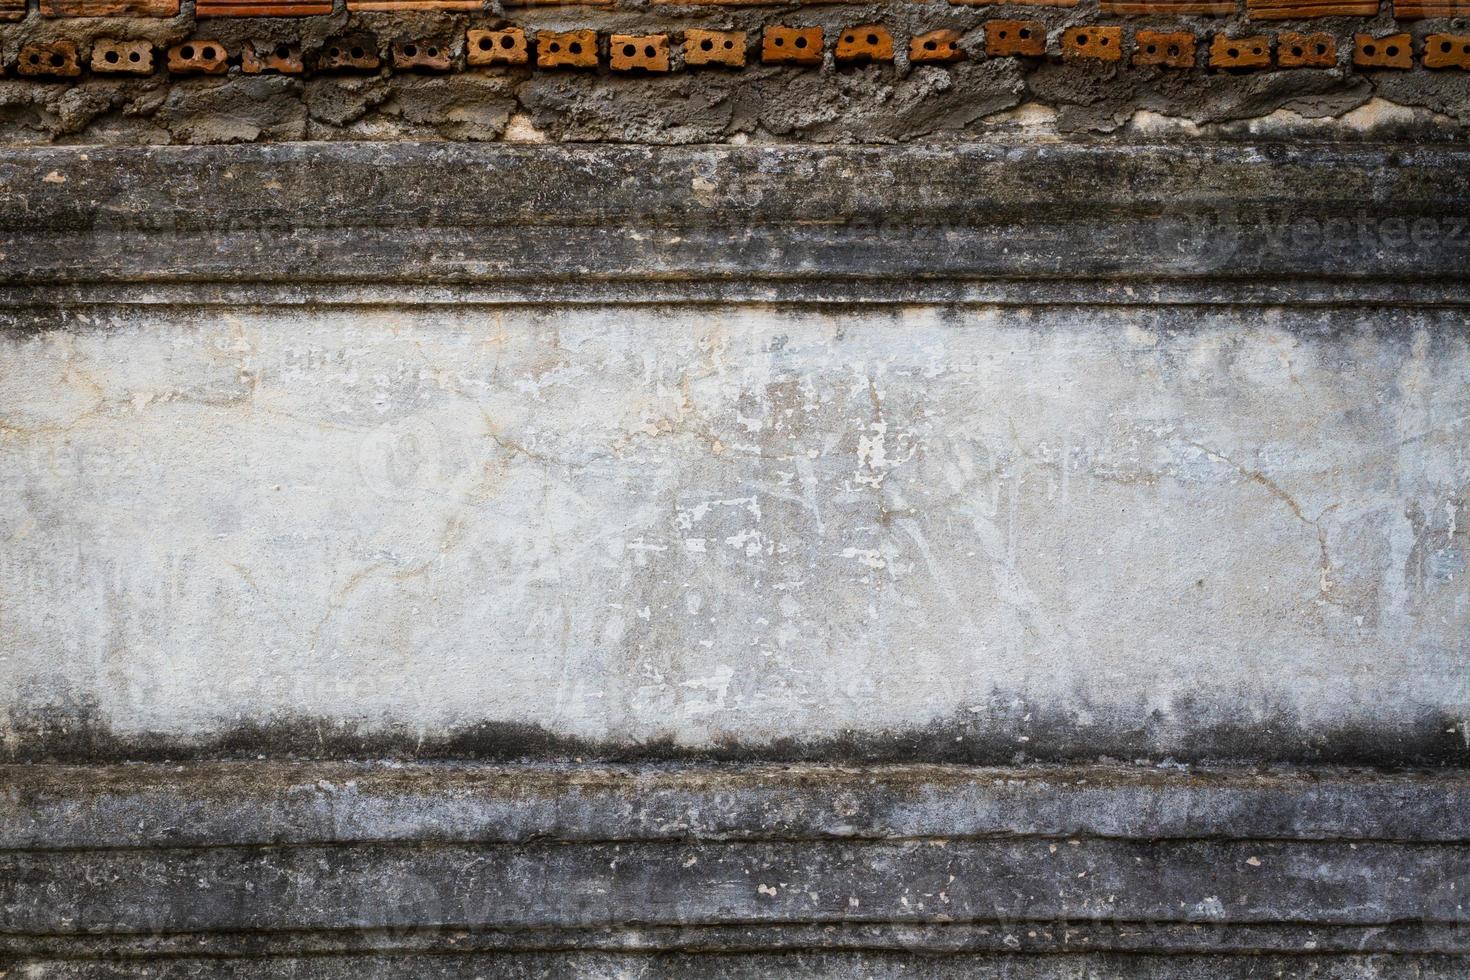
(76, 732)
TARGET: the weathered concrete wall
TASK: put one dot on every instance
(735, 501)
(1074, 530)
(648, 479)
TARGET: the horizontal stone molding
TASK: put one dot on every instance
(465, 214)
(242, 804)
(278, 859)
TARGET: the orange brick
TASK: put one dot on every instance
(1004, 38)
(865, 42)
(111, 57)
(1240, 52)
(261, 58)
(12, 9)
(1393, 51)
(1164, 49)
(419, 54)
(936, 46)
(507, 47)
(1306, 50)
(1307, 9)
(638, 52)
(1168, 8)
(413, 5)
(353, 53)
(1447, 51)
(57, 59)
(354, 6)
(109, 8)
(1421, 9)
(257, 8)
(1092, 43)
(782, 45)
(1015, 3)
(567, 49)
(198, 58)
(725, 48)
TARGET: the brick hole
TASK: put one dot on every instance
(1321, 49)
(282, 52)
(485, 44)
(1025, 33)
(872, 39)
(1233, 52)
(186, 52)
(334, 53)
(801, 42)
(649, 51)
(1369, 49)
(410, 50)
(629, 50)
(507, 42)
(111, 57)
(1173, 50)
(930, 46)
(708, 45)
(780, 42)
(575, 47)
(1102, 42)
(134, 57)
(1393, 49)
(1002, 34)
(208, 54)
(35, 59)
(1296, 51)
(356, 52)
(1153, 49)
(729, 45)
(1445, 46)
(1081, 38)
(57, 61)
(1466, 49)
(555, 47)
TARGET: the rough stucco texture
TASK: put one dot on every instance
(740, 524)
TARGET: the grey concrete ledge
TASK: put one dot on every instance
(19, 304)
(1339, 872)
(436, 213)
(807, 965)
(265, 803)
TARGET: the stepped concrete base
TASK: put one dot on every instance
(338, 869)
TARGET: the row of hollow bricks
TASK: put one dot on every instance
(780, 45)
(1254, 9)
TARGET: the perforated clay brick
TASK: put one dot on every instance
(865, 42)
(782, 45)
(505, 47)
(1092, 43)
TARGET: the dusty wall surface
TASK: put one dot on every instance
(1112, 530)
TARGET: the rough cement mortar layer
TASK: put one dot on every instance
(832, 103)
